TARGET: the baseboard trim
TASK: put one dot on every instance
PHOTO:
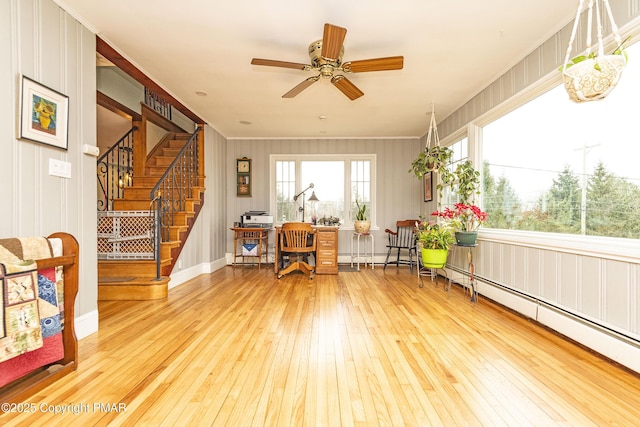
(183, 276)
(617, 349)
(86, 324)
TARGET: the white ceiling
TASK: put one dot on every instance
(452, 50)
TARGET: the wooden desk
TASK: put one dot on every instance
(326, 255)
(258, 235)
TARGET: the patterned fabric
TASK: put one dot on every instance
(30, 303)
(21, 330)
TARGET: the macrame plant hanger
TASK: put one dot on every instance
(433, 132)
(594, 75)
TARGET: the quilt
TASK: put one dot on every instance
(31, 324)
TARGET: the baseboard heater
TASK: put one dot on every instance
(611, 343)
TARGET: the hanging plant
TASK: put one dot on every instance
(592, 76)
(434, 158)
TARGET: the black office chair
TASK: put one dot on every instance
(403, 242)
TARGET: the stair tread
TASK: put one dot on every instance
(125, 281)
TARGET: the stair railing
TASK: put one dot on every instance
(175, 187)
(115, 171)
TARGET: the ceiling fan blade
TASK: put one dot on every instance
(302, 86)
(283, 64)
(377, 64)
(346, 87)
(332, 40)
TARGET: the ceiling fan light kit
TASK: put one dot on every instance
(326, 59)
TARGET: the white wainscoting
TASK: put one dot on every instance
(566, 284)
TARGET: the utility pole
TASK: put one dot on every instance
(583, 204)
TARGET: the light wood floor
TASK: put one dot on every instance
(370, 348)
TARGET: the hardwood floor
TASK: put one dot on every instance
(242, 348)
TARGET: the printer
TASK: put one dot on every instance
(256, 219)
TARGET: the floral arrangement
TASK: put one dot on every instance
(463, 217)
(434, 236)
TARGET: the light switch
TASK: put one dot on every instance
(59, 168)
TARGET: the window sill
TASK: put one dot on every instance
(626, 250)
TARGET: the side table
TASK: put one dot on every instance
(259, 236)
(365, 255)
(470, 272)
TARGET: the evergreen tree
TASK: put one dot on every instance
(563, 202)
(612, 205)
(626, 210)
(601, 202)
(500, 201)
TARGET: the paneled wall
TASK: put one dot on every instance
(540, 64)
(592, 298)
(42, 42)
(398, 193)
(598, 289)
(205, 249)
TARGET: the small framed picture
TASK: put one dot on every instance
(44, 114)
(243, 177)
(428, 186)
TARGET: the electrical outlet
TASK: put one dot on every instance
(179, 264)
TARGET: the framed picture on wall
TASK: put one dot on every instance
(243, 177)
(44, 114)
(428, 186)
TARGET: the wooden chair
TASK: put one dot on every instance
(403, 241)
(297, 241)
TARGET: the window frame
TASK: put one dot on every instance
(614, 248)
(347, 220)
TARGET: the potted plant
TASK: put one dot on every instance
(592, 77)
(464, 220)
(433, 159)
(329, 221)
(468, 179)
(361, 223)
(434, 241)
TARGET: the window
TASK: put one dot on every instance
(460, 154)
(337, 182)
(556, 166)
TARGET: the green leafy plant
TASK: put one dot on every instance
(468, 179)
(329, 220)
(592, 55)
(361, 210)
(434, 236)
(434, 158)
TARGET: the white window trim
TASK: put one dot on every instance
(347, 222)
(613, 248)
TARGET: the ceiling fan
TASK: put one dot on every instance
(326, 59)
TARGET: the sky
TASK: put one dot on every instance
(543, 136)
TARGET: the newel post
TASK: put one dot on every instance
(140, 147)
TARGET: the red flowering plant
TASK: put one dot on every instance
(463, 217)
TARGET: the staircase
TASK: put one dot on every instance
(145, 279)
